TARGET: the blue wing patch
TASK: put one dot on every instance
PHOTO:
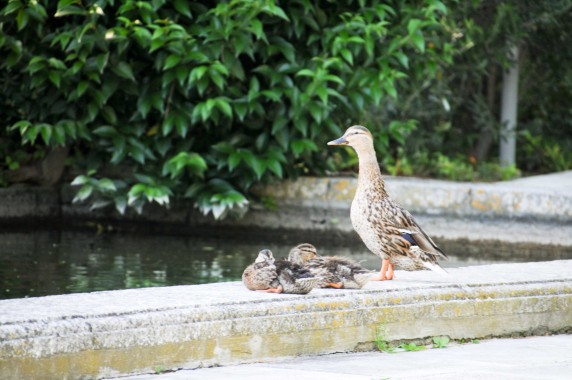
(408, 237)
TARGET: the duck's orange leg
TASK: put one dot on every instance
(279, 289)
(390, 274)
(386, 272)
(336, 285)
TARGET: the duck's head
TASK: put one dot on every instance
(265, 256)
(302, 253)
(355, 136)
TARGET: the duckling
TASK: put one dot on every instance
(337, 272)
(388, 230)
(278, 276)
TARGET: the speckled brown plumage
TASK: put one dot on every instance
(278, 276)
(387, 229)
(337, 272)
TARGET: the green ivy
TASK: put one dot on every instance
(204, 99)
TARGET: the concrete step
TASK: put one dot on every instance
(531, 358)
(107, 334)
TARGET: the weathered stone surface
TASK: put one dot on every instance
(20, 202)
(532, 212)
(435, 197)
(133, 331)
(530, 358)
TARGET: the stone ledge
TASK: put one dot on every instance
(330, 198)
(21, 203)
(133, 331)
(433, 197)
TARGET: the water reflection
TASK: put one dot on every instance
(57, 262)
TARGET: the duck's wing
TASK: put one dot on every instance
(293, 270)
(295, 279)
(348, 264)
(413, 233)
(321, 268)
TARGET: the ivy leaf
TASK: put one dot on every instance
(68, 10)
(12, 7)
(120, 204)
(55, 78)
(123, 70)
(348, 56)
(171, 61)
(182, 6)
(106, 184)
(80, 180)
(257, 165)
(46, 132)
(105, 131)
(413, 25)
(418, 41)
(234, 160)
(300, 145)
(22, 19)
(275, 167)
(223, 105)
(176, 166)
(402, 58)
(315, 111)
(305, 73)
(83, 193)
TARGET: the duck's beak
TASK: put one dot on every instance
(341, 141)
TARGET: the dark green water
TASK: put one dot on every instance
(39, 263)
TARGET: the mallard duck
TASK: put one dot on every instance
(278, 276)
(337, 272)
(388, 230)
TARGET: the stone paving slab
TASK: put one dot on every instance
(531, 358)
(134, 331)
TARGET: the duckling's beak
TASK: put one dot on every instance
(341, 141)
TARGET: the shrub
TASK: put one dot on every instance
(163, 99)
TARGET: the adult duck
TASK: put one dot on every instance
(388, 230)
(278, 276)
(337, 272)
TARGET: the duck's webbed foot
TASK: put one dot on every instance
(279, 289)
(390, 274)
(386, 272)
(336, 285)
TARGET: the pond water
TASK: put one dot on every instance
(40, 263)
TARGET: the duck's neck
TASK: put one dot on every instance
(370, 178)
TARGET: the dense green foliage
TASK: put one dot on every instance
(160, 99)
(457, 116)
(204, 101)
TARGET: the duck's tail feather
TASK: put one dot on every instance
(434, 267)
(362, 278)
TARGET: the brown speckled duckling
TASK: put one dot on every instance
(278, 276)
(388, 230)
(337, 272)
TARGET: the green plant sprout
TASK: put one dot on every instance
(411, 347)
(441, 341)
(380, 342)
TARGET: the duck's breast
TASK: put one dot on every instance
(366, 221)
